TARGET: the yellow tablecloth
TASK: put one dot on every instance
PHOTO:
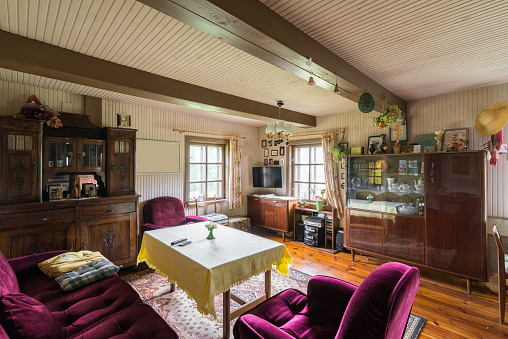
(206, 268)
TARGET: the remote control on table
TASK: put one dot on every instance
(184, 243)
(178, 241)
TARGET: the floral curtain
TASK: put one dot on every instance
(235, 174)
(331, 174)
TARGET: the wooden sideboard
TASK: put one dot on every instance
(33, 154)
(275, 213)
(448, 234)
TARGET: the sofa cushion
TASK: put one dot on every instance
(8, 280)
(138, 321)
(90, 304)
(41, 287)
(66, 262)
(164, 211)
(25, 317)
(87, 274)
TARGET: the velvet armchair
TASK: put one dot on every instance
(165, 212)
(378, 308)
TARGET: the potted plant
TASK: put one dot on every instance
(338, 151)
(398, 130)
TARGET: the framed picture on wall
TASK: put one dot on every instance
(274, 153)
(263, 143)
(455, 139)
(399, 131)
(266, 152)
(270, 162)
(266, 162)
(276, 162)
(375, 142)
(282, 150)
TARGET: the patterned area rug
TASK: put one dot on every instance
(181, 314)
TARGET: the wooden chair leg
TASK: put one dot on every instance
(502, 298)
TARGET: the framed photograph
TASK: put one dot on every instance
(375, 142)
(266, 162)
(55, 192)
(276, 162)
(282, 162)
(399, 131)
(455, 139)
(274, 153)
(266, 152)
(342, 176)
(270, 162)
(282, 150)
(90, 190)
(356, 150)
(263, 143)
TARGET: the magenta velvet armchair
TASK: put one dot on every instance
(165, 212)
(378, 308)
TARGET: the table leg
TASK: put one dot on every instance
(226, 310)
(268, 283)
(171, 287)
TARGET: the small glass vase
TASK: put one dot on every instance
(319, 205)
(210, 235)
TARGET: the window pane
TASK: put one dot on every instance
(317, 173)
(196, 190)
(214, 172)
(197, 154)
(197, 172)
(301, 173)
(302, 155)
(316, 155)
(214, 154)
(214, 190)
(301, 191)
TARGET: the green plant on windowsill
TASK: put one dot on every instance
(338, 151)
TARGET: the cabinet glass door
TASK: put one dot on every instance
(91, 154)
(60, 155)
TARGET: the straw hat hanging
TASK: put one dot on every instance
(492, 119)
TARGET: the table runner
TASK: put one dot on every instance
(206, 268)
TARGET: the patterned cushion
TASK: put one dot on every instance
(215, 217)
(87, 274)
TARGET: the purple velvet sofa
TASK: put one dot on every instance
(32, 305)
(378, 308)
(165, 212)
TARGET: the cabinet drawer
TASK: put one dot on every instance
(94, 211)
(64, 215)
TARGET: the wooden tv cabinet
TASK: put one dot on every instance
(272, 212)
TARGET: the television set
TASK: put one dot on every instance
(270, 177)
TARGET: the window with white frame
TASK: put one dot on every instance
(206, 163)
(308, 173)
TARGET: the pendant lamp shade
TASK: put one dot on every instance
(289, 129)
(270, 128)
(280, 126)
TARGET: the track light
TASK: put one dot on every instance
(336, 89)
(311, 81)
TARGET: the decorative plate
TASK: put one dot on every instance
(382, 165)
(366, 103)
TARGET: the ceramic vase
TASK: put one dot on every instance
(319, 205)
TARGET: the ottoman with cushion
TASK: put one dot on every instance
(32, 305)
(240, 223)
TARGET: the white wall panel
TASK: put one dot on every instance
(157, 124)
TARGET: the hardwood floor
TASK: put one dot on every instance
(441, 298)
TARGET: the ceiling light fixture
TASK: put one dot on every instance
(311, 79)
(336, 89)
(283, 130)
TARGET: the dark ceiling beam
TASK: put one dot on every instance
(31, 56)
(251, 26)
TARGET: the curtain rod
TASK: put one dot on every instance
(314, 134)
(219, 135)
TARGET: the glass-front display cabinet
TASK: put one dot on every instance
(69, 154)
(386, 183)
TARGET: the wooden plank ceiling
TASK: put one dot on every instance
(415, 49)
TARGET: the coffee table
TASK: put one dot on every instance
(205, 268)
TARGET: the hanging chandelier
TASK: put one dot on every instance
(277, 135)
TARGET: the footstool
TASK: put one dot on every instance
(240, 223)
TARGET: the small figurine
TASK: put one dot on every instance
(370, 198)
(74, 186)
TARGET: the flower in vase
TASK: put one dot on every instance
(211, 226)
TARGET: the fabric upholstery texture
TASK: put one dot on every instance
(137, 321)
(164, 212)
(378, 308)
(66, 262)
(240, 223)
(25, 317)
(85, 275)
(8, 282)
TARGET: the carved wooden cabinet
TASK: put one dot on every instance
(274, 213)
(121, 145)
(20, 149)
(448, 233)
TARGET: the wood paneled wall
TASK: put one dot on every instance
(13, 95)
(157, 124)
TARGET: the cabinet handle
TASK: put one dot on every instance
(43, 219)
(34, 167)
(109, 211)
(112, 166)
